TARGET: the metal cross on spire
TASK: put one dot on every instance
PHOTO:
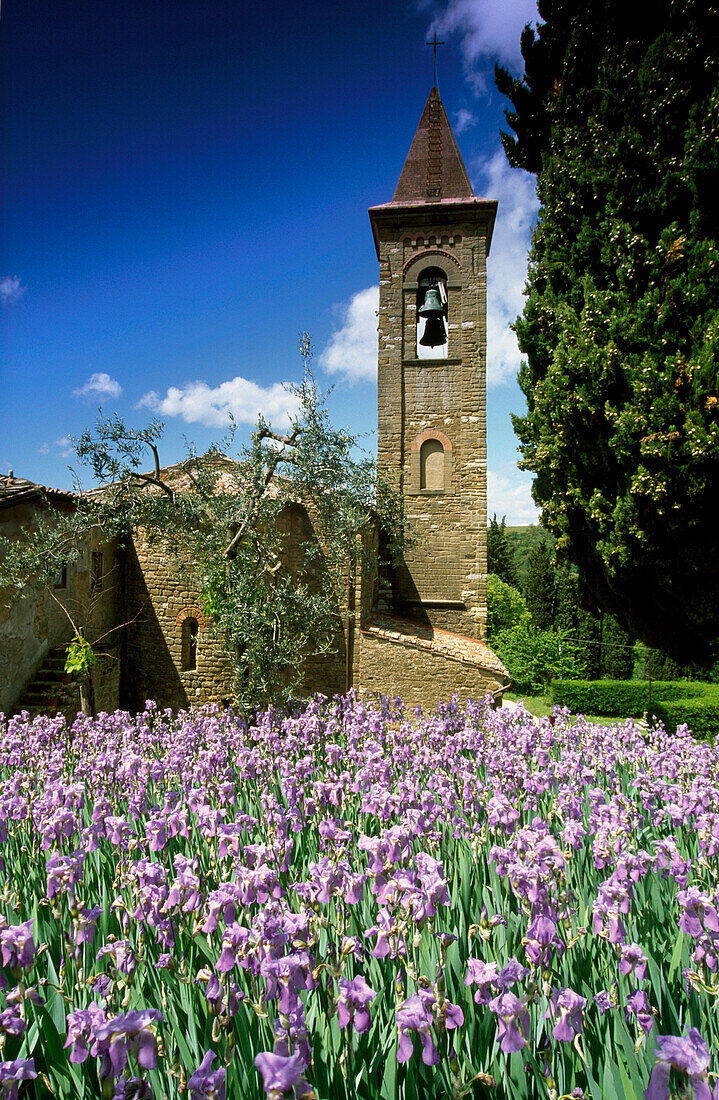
(435, 43)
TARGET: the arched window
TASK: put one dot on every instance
(432, 338)
(431, 465)
(190, 630)
(431, 461)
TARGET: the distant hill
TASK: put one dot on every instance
(521, 540)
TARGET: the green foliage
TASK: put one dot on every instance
(506, 607)
(652, 664)
(609, 698)
(700, 714)
(671, 701)
(535, 657)
(500, 555)
(540, 588)
(618, 114)
(31, 557)
(522, 540)
(79, 656)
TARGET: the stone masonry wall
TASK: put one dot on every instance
(417, 675)
(159, 599)
(36, 623)
(443, 583)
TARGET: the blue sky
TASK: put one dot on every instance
(186, 190)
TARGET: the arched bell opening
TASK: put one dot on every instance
(432, 332)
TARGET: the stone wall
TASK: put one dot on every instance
(418, 671)
(159, 601)
(325, 672)
(36, 623)
(443, 580)
(161, 598)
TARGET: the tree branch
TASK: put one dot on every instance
(150, 480)
(290, 440)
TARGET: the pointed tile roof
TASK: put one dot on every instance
(434, 170)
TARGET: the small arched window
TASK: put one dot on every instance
(431, 461)
(190, 631)
(432, 338)
(431, 465)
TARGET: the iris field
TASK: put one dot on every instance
(356, 901)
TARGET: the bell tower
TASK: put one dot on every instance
(432, 242)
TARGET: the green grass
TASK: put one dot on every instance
(541, 705)
(538, 705)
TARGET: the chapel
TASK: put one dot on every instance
(418, 632)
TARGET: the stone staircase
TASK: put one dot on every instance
(48, 691)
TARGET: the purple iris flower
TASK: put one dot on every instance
(122, 954)
(638, 1005)
(82, 1027)
(280, 1074)
(416, 1015)
(11, 1022)
(633, 958)
(542, 940)
(205, 1083)
(18, 946)
(698, 912)
(132, 1088)
(11, 1073)
(291, 1034)
(688, 1054)
(485, 976)
(568, 1005)
(513, 1022)
(83, 925)
(354, 997)
(127, 1035)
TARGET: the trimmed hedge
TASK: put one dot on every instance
(700, 714)
(673, 702)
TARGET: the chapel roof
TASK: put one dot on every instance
(18, 490)
(434, 170)
(457, 647)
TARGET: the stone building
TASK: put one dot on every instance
(35, 630)
(420, 632)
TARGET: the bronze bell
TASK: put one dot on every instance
(435, 334)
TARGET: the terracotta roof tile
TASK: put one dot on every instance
(457, 647)
(16, 490)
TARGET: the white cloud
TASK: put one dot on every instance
(99, 385)
(11, 289)
(213, 406)
(463, 119)
(352, 350)
(488, 29)
(507, 262)
(44, 449)
(64, 446)
(509, 493)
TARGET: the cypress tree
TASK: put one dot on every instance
(618, 115)
(500, 555)
(541, 589)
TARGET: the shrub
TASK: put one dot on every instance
(610, 698)
(701, 713)
(506, 607)
(536, 657)
(671, 701)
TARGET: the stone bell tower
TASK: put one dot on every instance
(432, 242)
